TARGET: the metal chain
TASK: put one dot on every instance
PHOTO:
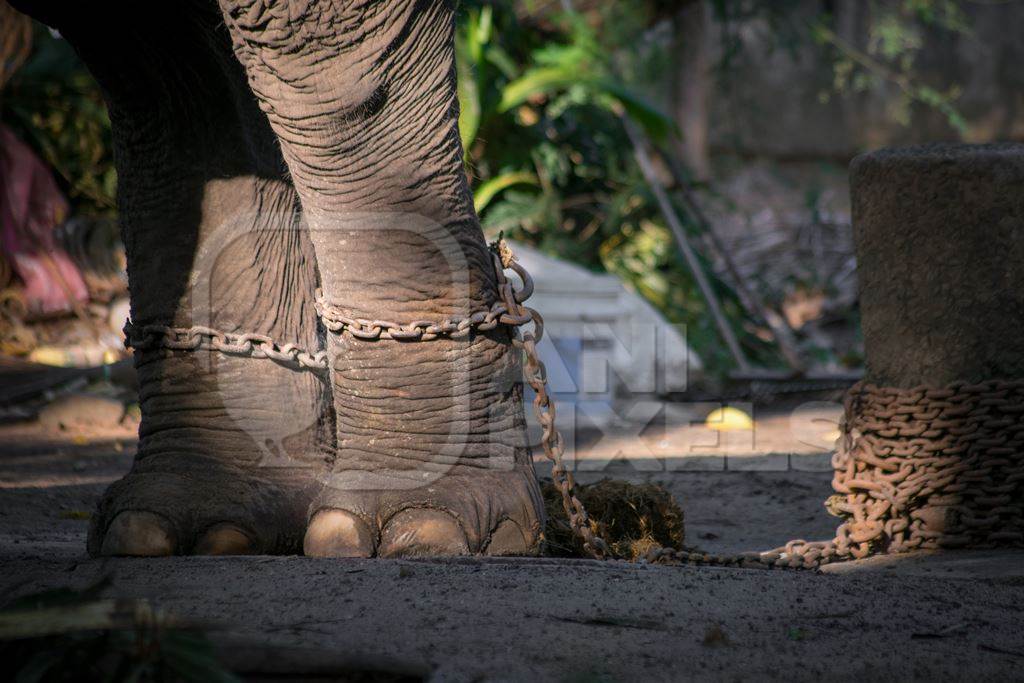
(200, 337)
(554, 448)
(336, 320)
(543, 407)
(915, 468)
(931, 467)
(919, 468)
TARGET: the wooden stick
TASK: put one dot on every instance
(780, 328)
(643, 160)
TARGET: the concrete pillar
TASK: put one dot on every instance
(933, 447)
(939, 233)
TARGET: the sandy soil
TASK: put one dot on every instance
(958, 616)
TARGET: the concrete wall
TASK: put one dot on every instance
(769, 102)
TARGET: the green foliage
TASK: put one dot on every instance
(552, 166)
(488, 189)
(55, 106)
(898, 31)
(541, 101)
(895, 39)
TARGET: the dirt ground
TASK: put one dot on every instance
(956, 616)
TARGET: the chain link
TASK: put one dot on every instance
(336, 320)
(199, 337)
(931, 467)
(915, 468)
(543, 407)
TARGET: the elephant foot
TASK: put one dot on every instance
(432, 457)
(472, 512)
(213, 474)
(158, 513)
(135, 533)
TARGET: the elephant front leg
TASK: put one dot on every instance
(231, 448)
(431, 454)
(431, 442)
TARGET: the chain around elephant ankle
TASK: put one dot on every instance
(336, 320)
(200, 337)
(504, 311)
(507, 310)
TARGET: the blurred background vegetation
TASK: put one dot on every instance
(54, 105)
(756, 104)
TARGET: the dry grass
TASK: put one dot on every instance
(632, 518)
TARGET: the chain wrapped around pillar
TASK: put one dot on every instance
(932, 449)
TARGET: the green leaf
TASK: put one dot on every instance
(656, 124)
(544, 80)
(515, 210)
(490, 188)
(484, 26)
(604, 91)
(469, 104)
(497, 56)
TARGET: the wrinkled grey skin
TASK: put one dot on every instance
(296, 145)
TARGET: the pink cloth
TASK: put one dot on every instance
(31, 207)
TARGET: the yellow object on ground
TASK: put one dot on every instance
(728, 419)
(73, 356)
(50, 355)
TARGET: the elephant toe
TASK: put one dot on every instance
(224, 539)
(508, 539)
(421, 532)
(157, 512)
(337, 533)
(138, 534)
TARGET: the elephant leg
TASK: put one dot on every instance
(431, 455)
(231, 448)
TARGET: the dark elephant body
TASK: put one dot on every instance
(265, 150)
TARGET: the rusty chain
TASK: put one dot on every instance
(931, 467)
(335, 320)
(535, 374)
(200, 337)
(543, 407)
(915, 468)
(920, 468)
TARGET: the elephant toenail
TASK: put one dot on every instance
(138, 534)
(422, 532)
(337, 533)
(508, 539)
(224, 539)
